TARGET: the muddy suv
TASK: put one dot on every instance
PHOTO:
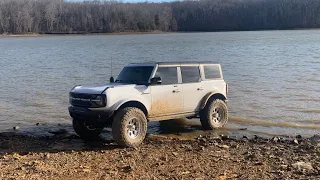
(147, 92)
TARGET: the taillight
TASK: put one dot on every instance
(227, 88)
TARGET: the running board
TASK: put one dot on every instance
(172, 116)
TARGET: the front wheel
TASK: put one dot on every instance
(85, 132)
(214, 115)
(129, 127)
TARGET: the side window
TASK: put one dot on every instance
(212, 72)
(168, 75)
(190, 74)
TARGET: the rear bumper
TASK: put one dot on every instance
(90, 115)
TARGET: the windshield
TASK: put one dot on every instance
(135, 74)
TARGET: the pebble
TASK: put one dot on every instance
(187, 146)
(223, 137)
(234, 145)
(16, 156)
(225, 146)
(47, 156)
(86, 170)
(284, 167)
(259, 163)
(275, 139)
(165, 158)
(185, 172)
(16, 127)
(295, 141)
(129, 168)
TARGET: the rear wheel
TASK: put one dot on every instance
(214, 115)
(129, 127)
(84, 131)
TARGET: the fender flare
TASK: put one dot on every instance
(210, 95)
(134, 102)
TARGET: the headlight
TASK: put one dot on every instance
(99, 100)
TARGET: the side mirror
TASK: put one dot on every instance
(155, 81)
(111, 79)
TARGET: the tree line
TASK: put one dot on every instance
(59, 16)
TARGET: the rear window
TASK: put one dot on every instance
(190, 74)
(212, 72)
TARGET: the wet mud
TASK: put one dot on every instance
(186, 129)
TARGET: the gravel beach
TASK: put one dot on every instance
(65, 156)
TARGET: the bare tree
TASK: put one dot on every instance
(101, 16)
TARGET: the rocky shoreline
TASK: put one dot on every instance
(65, 156)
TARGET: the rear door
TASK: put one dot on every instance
(213, 79)
(193, 90)
(167, 97)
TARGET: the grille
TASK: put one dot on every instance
(82, 100)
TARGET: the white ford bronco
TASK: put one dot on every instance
(145, 92)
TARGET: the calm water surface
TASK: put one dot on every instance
(274, 76)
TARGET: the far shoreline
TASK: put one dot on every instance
(141, 33)
(82, 34)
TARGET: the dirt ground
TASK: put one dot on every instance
(65, 156)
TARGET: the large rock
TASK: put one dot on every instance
(6, 144)
(302, 166)
(58, 132)
(315, 138)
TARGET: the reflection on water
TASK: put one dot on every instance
(270, 123)
(273, 76)
(309, 121)
(189, 129)
(177, 126)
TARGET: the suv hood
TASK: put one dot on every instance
(97, 89)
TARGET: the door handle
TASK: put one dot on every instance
(200, 89)
(176, 91)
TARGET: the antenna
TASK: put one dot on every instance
(111, 66)
(111, 77)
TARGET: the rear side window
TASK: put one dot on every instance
(212, 72)
(190, 74)
(168, 75)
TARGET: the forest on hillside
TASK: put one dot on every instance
(59, 16)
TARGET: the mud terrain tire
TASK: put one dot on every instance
(129, 127)
(84, 132)
(214, 115)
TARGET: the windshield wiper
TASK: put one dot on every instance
(128, 81)
(119, 81)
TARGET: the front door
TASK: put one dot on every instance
(167, 97)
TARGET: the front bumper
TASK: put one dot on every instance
(90, 116)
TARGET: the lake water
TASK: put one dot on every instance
(273, 76)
